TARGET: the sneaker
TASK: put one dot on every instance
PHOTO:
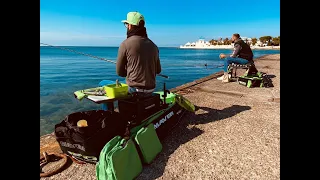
(226, 78)
(220, 78)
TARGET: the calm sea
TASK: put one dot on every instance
(63, 72)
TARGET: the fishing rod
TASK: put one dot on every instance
(89, 55)
(103, 59)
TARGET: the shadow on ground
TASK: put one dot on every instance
(182, 134)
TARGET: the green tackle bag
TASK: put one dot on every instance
(148, 143)
(259, 79)
(118, 160)
(250, 81)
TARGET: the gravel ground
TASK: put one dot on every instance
(232, 135)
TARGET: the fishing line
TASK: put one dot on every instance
(103, 59)
(81, 53)
(89, 55)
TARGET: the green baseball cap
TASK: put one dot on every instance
(133, 18)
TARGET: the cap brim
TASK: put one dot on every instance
(124, 21)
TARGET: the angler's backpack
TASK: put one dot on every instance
(85, 143)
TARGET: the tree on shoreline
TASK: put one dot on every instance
(276, 41)
(262, 40)
(271, 41)
(265, 39)
(254, 41)
(226, 41)
(213, 42)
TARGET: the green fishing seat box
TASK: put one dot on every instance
(119, 160)
(148, 143)
(250, 81)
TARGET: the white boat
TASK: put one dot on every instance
(202, 44)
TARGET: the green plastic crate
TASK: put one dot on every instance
(114, 92)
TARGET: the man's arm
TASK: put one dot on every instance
(236, 50)
(158, 64)
(122, 61)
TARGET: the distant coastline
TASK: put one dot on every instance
(264, 43)
(231, 47)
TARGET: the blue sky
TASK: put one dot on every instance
(168, 22)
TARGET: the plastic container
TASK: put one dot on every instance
(170, 97)
(114, 92)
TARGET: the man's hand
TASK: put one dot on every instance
(222, 56)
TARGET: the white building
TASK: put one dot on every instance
(202, 44)
(259, 43)
(246, 39)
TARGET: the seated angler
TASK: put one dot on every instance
(242, 54)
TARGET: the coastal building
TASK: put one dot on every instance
(260, 44)
(247, 40)
(203, 44)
